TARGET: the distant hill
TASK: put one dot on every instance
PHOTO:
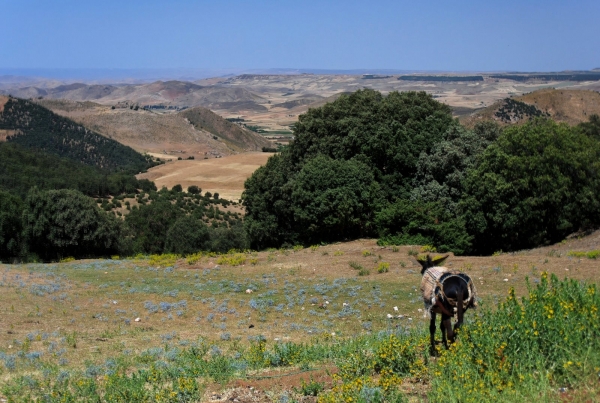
(171, 93)
(306, 100)
(34, 127)
(232, 134)
(169, 134)
(323, 101)
(569, 106)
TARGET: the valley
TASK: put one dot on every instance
(266, 103)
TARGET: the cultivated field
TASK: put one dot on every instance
(225, 176)
(84, 322)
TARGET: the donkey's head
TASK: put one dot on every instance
(427, 262)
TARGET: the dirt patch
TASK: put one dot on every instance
(285, 380)
(3, 101)
(225, 176)
(270, 386)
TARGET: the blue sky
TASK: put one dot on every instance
(524, 35)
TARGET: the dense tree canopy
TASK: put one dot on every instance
(591, 128)
(536, 184)
(11, 208)
(38, 128)
(385, 134)
(187, 235)
(60, 223)
(406, 222)
(388, 133)
(22, 168)
(329, 198)
(441, 172)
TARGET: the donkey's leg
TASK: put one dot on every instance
(446, 325)
(460, 310)
(432, 350)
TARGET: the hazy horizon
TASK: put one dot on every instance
(129, 76)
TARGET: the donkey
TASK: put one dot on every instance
(443, 291)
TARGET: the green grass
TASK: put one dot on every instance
(71, 334)
(593, 254)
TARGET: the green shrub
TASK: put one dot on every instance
(383, 267)
(535, 185)
(417, 223)
(549, 337)
(593, 254)
(355, 266)
(311, 388)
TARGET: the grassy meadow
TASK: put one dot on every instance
(300, 324)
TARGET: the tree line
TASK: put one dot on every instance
(396, 167)
(400, 168)
(56, 223)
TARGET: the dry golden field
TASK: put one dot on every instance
(225, 176)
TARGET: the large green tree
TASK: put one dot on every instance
(187, 235)
(11, 208)
(59, 223)
(441, 172)
(536, 184)
(385, 133)
(388, 133)
(329, 198)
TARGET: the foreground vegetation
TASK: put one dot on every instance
(73, 335)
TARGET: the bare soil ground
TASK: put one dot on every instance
(3, 101)
(564, 105)
(168, 134)
(225, 176)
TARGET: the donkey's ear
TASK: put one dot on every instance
(424, 260)
(439, 260)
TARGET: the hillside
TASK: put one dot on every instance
(39, 148)
(168, 93)
(232, 134)
(22, 168)
(37, 128)
(167, 135)
(569, 106)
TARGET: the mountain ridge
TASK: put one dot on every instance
(35, 127)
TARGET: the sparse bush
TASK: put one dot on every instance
(363, 272)
(383, 267)
(355, 265)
